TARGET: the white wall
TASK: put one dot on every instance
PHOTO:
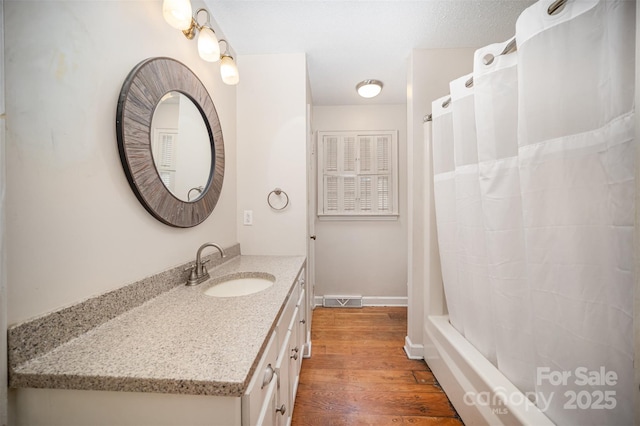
(430, 72)
(636, 305)
(74, 227)
(272, 137)
(3, 269)
(367, 257)
(193, 151)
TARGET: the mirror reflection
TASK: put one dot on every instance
(181, 147)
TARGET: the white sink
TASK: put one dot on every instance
(241, 284)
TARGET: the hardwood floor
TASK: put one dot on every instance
(359, 374)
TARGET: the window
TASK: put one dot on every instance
(357, 173)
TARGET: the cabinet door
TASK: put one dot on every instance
(284, 321)
(283, 399)
(306, 306)
(302, 322)
(268, 413)
(295, 360)
(263, 377)
(295, 356)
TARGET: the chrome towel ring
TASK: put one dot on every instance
(278, 192)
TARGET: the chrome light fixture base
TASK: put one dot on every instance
(195, 26)
(190, 32)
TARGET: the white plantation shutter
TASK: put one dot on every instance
(349, 153)
(383, 153)
(383, 194)
(358, 173)
(331, 193)
(331, 154)
(349, 193)
(164, 155)
(365, 193)
(365, 154)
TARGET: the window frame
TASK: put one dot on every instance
(393, 185)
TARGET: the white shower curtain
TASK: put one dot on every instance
(496, 114)
(537, 239)
(444, 190)
(471, 246)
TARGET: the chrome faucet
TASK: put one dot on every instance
(199, 272)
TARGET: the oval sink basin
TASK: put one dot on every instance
(240, 285)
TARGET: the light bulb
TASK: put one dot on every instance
(177, 13)
(208, 46)
(229, 71)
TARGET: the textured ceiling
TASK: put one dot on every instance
(349, 41)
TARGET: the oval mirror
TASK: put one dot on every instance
(180, 146)
(188, 200)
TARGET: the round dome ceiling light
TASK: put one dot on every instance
(369, 88)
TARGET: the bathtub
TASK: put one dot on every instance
(479, 392)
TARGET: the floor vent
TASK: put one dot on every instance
(342, 301)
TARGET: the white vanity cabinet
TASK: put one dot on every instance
(268, 403)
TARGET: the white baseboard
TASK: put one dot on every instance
(374, 301)
(385, 301)
(413, 351)
(306, 351)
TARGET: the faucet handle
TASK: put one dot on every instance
(203, 269)
(190, 267)
(193, 275)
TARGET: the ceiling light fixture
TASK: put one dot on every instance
(178, 13)
(369, 88)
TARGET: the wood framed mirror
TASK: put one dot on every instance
(177, 179)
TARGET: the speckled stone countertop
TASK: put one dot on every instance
(181, 341)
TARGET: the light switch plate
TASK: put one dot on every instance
(247, 217)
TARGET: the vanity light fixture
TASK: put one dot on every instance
(228, 67)
(178, 13)
(369, 88)
(208, 47)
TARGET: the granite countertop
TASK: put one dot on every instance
(181, 341)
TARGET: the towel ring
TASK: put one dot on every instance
(278, 192)
(197, 188)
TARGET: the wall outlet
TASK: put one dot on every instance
(248, 217)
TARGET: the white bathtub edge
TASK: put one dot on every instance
(461, 370)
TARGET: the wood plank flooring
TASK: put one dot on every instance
(359, 374)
